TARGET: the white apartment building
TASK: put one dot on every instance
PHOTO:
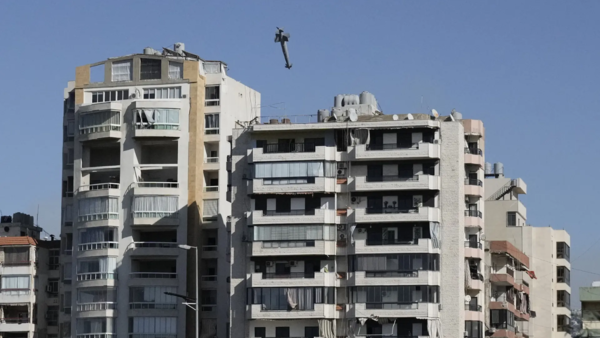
(529, 270)
(28, 288)
(145, 147)
(358, 224)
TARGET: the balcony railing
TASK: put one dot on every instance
(289, 148)
(169, 245)
(15, 320)
(476, 276)
(473, 307)
(392, 178)
(96, 335)
(211, 131)
(510, 272)
(15, 292)
(212, 160)
(155, 214)
(208, 278)
(391, 241)
(98, 217)
(98, 186)
(158, 275)
(212, 102)
(474, 151)
(392, 306)
(99, 306)
(390, 210)
(473, 245)
(391, 146)
(157, 184)
(157, 126)
(213, 188)
(99, 129)
(95, 276)
(287, 244)
(152, 305)
(401, 274)
(473, 213)
(98, 246)
(302, 212)
(473, 181)
(291, 275)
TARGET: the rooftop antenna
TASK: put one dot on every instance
(283, 38)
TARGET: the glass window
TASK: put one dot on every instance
(563, 251)
(473, 329)
(563, 299)
(16, 256)
(175, 70)
(212, 96)
(511, 218)
(562, 322)
(150, 69)
(121, 71)
(563, 275)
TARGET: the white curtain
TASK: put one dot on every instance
(434, 231)
(294, 232)
(157, 118)
(211, 121)
(326, 328)
(154, 325)
(95, 235)
(96, 296)
(13, 285)
(210, 208)
(121, 71)
(209, 328)
(175, 70)
(289, 169)
(102, 118)
(467, 274)
(212, 67)
(95, 325)
(98, 207)
(156, 206)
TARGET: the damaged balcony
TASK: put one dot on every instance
(157, 123)
(15, 318)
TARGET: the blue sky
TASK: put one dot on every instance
(527, 69)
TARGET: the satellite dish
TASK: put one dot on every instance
(395, 117)
(334, 115)
(435, 113)
(452, 118)
(467, 298)
(353, 115)
(409, 117)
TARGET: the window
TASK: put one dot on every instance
(260, 332)
(98, 238)
(563, 251)
(16, 256)
(563, 275)
(210, 208)
(68, 158)
(282, 332)
(502, 319)
(404, 263)
(212, 67)
(16, 285)
(277, 299)
(562, 323)
(563, 299)
(295, 169)
(66, 301)
(98, 208)
(65, 330)
(67, 215)
(67, 187)
(175, 70)
(212, 96)
(152, 326)
(99, 268)
(110, 95)
(95, 326)
(294, 232)
(394, 297)
(52, 288)
(67, 273)
(121, 71)
(311, 331)
(67, 244)
(69, 131)
(511, 218)
(162, 93)
(152, 297)
(99, 122)
(155, 206)
(52, 315)
(150, 69)
(53, 259)
(165, 119)
(211, 124)
(473, 329)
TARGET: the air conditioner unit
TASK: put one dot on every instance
(132, 96)
(341, 172)
(341, 227)
(269, 264)
(354, 200)
(293, 263)
(342, 237)
(342, 165)
(362, 230)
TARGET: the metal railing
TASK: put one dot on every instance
(476, 276)
(96, 276)
(211, 160)
(155, 214)
(158, 275)
(302, 212)
(212, 102)
(473, 213)
(211, 188)
(98, 246)
(287, 244)
(475, 151)
(208, 278)
(283, 119)
(98, 306)
(151, 305)
(289, 148)
(98, 186)
(99, 129)
(211, 131)
(392, 146)
(510, 272)
(17, 320)
(15, 292)
(209, 248)
(401, 274)
(390, 210)
(473, 307)
(98, 217)
(392, 306)
(473, 245)
(156, 184)
(392, 178)
(290, 275)
(169, 245)
(157, 126)
(391, 241)
(96, 335)
(473, 181)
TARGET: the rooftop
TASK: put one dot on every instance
(21, 240)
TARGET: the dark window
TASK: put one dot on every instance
(261, 143)
(53, 263)
(52, 315)
(282, 332)
(212, 96)
(150, 69)
(52, 288)
(563, 251)
(405, 170)
(15, 256)
(209, 297)
(394, 264)
(311, 331)
(562, 323)
(563, 299)
(563, 275)
(260, 332)
(502, 319)
(473, 329)
(296, 298)
(511, 218)
(394, 297)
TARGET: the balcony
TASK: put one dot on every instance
(291, 152)
(504, 303)
(160, 126)
(362, 246)
(473, 127)
(505, 276)
(255, 311)
(473, 218)
(474, 156)
(15, 296)
(394, 182)
(393, 151)
(328, 279)
(474, 312)
(386, 215)
(155, 249)
(99, 190)
(211, 163)
(100, 121)
(319, 216)
(89, 276)
(413, 277)
(474, 250)
(17, 324)
(155, 188)
(93, 249)
(153, 275)
(98, 306)
(290, 248)
(393, 310)
(475, 282)
(291, 185)
(473, 187)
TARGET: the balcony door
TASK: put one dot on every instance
(282, 332)
(374, 172)
(375, 203)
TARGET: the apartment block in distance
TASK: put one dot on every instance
(29, 287)
(144, 171)
(529, 271)
(358, 224)
(590, 310)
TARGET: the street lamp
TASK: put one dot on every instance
(196, 305)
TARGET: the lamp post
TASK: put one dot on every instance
(189, 247)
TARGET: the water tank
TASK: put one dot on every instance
(488, 168)
(596, 283)
(499, 169)
(323, 115)
(365, 98)
(179, 47)
(149, 51)
(338, 101)
(355, 99)
(457, 116)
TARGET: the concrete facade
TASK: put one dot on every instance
(399, 187)
(145, 148)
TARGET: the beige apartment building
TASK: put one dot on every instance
(358, 224)
(529, 268)
(144, 171)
